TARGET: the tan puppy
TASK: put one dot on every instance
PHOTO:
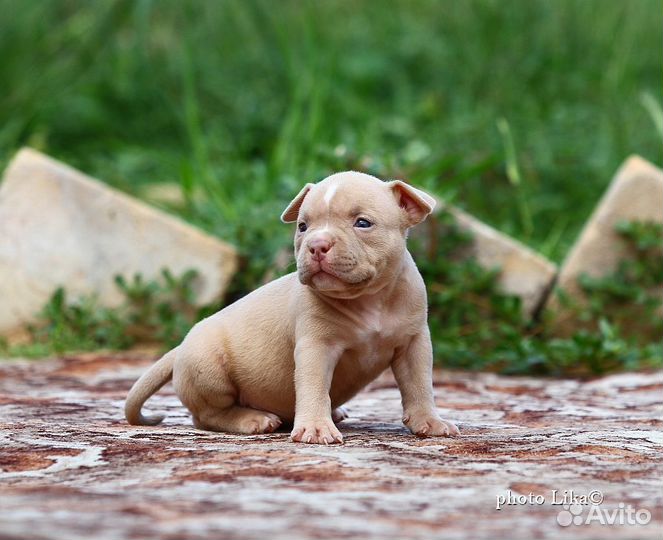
(301, 346)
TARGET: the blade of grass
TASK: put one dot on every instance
(199, 142)
(513, 174)
(654, 109)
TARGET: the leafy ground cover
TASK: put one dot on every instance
(473, 325)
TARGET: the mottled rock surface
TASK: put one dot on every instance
(71, 468)
(59, 226)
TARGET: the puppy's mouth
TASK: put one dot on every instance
(321, 270)
(323, 275)
(323, 279)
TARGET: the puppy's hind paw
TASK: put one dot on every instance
(261, 422)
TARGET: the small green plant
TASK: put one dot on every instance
(631, 294)
(156, 312)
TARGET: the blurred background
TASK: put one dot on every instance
(519, 111)
(247, 100)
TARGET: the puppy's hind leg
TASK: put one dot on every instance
(339, 414)
(236, 419)
(206, 390)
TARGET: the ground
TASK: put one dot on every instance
(70, 466)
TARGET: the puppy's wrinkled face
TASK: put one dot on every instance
(351, 229)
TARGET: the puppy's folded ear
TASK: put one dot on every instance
(290, 214)
(415, 203)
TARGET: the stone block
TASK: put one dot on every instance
(59, 227)
(523, 272)
(635, 194)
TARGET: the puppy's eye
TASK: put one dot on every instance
(302, 227)
(362, 223)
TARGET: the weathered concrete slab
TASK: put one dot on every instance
(523, 272)
(60, 227)
(635, 194)
(71, 468)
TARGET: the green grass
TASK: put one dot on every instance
(247, 100)
(519, 111)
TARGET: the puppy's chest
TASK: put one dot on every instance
(375, 335)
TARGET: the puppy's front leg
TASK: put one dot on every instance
(314, 369)
(413, 369)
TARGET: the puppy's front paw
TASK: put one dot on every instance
(429, 425)
(321, 431)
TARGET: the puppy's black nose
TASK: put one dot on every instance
(318, 248)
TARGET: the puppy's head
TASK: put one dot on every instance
(351, 230)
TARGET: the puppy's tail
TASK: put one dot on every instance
(153, 379)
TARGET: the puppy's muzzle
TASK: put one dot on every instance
(319, 247)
